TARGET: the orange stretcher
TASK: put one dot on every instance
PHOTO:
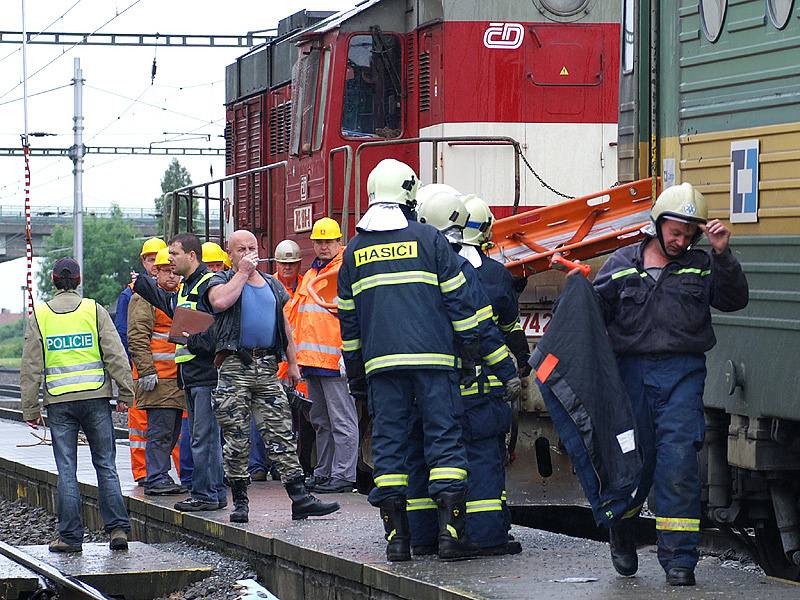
(577, 229)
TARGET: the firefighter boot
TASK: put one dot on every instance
(240, 503)
(304, 504)
(452, 513)
(395, 523)
(622, 537)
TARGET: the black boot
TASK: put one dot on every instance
(622, 537)
(395, 523)
(304, 504)
(425, 549)
(452, 513)
(680, 576)
(241, 505)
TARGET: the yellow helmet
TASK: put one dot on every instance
(394, 182)
(162, 258)
(479, 227)
(152, 246)
(326, 229)
(213, 253)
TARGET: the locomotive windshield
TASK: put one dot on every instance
(372, 89)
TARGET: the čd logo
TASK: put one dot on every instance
(72, 341)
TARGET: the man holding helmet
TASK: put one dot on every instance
(656, 298)
(406, 271)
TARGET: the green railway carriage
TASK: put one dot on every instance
(710, 94)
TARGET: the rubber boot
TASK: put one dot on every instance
(680, 576)
(304, 504)
(425, 549)
(452, 513)
(395, 523)
(241, 505)
(622, 537)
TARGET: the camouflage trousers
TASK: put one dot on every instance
(254, 389)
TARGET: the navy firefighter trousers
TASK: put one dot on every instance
(486, 420)
(666, 394)
(394, 397)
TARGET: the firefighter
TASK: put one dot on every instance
(155, 375)
(487, 414)
(316, 333)
(655, 297)
(403, 304)
(214, 257)
(137, 418)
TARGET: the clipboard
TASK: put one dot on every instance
(190, 321)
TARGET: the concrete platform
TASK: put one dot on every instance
(140, 573)
(15, 580)
(345, 551)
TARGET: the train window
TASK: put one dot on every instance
(779, 12)
(323, 98)
(304, 88)
(373, 87)
(713, 14)
(628, 35)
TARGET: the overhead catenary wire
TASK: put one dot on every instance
(46, 27)
(66, 85)
(159, 107)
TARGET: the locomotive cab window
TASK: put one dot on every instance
(628, 35)
(779, 12)
(713, 15)
(373, 87)
(305, 85)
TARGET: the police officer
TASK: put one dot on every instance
(655, 298)
(403, 305)
(487, 415)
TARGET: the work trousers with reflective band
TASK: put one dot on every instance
(254, 389)
(393, 396)
(667, 398)
(486, 419)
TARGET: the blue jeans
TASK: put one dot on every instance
(187, 464)
(94, 417)
(207, 476)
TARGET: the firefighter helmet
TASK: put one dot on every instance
(152, 246)
(443, 209)
(479, 227)
(162, 258)
(326, 229)
(679, 203)
(288, 252)
(212, 252)
(394, 182)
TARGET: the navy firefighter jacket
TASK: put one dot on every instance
(403, 300)
(670, 314)
(499, 286)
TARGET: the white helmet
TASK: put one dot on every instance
(288, 252)
(479, 227)
(443, 209)
(394, 182)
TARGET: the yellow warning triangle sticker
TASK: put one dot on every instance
(564, 71)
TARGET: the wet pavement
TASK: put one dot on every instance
(350, 544)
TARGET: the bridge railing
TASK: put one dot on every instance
(64, 213)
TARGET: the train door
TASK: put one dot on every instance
(628, 134)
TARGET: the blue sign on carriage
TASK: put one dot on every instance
(744, 181)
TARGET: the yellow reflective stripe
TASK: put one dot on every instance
(503, 496)
(409, 360)
(693, 271)
(391, 535)
(484, 313)
(344, 304)
(452, 284)
(494, 381)
(438, 473)
(632, 512)
(452, 531)
(470, 391)
(509, 327)
(351, 345)
(399, 278)
(391, 479)
(420, 504)
(496, 356)
(677, 524)
(477, 506)
(465, 324)
(626, 272)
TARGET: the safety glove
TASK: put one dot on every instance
(148, 383)
(513, 389)
(356, 379)
(470, 360)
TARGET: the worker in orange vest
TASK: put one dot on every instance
(155, 376)
(317, 336)
(137, 419)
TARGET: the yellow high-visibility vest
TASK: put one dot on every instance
(71, 345)
(189, 300)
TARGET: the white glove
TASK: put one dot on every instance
(342, 370)
(148, 383)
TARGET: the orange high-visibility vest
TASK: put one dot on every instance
(289, 290)
(316, 330)
(162, 349)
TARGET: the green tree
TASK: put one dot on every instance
(110, 253)
(176, 176)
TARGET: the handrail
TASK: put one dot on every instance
(435, 141)
(348, 171)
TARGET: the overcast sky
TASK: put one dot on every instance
(189, 83)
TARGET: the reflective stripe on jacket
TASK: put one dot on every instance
(71, 345)
(189, 300)
(162, 350)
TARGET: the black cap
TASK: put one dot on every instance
(66, 268)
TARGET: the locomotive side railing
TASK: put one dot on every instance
(348, 171)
